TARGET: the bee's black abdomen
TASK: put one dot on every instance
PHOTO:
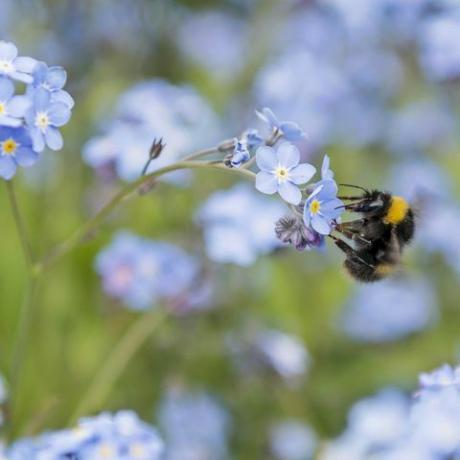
(406, 229)
(360, 271)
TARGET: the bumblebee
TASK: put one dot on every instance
(386, 225)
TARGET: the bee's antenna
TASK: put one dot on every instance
(355, 186)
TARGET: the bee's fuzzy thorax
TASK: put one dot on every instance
(397, 211)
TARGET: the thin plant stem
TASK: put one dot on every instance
(86, 229)
(20, 226)
(117, 361)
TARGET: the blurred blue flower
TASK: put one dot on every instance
(444, 376)
(15, 150)
(140, 272)
(12, 108)
(252, 139)
(12, 66)
(119, 436)
(238, 225)
(323, 208)
(440, 47)
(53, 79)
(44, 119)
(284, 353)
(389, 310)
(281, 172)
(292, 440)
(195, 426)
(291, 131)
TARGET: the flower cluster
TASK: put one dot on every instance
(292, 440)
(389, 426)
(141, 272)
(119, 436)
(31, 121)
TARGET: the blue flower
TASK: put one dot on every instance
(238, 225)
(291, 131)
(292, 440)
(44, 119)
(15, 150)
(326, 172)
(281, 172)
(53, 80)
(12, 108)
(252, 139)
(323, 208)
(12, 66)
(139, 271)
(240, 154)
(444, 376)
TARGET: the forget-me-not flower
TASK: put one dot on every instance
(14, 67)
(44, 118)
(53, 80)
(292, 440)
(239, 156)
(291, 131)
(323, 208)
(281, 172)
(15, 150)
(444, 376)
(12, 108)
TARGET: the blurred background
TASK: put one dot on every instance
(267, 347)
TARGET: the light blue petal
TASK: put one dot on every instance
(18, 106)
(326, 173)
(332, 209)
(9, 121)
(315, 192)
(266, 158)
(302, 174)
(56, 78)
(6, 89)
(320, 225)
(54, 138)
(289, 192)
(7, 51)
(59, 114)
(63, 97)
(7, 167)
(38, 139)
(268, 117)
(41, 99)
(26, 157)
(329, 190)
(25, 64)
(292, 131)
(288, 155)
(266, 183)
(23, 77)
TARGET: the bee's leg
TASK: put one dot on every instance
(350, 198)
(348, 250)
(353, 229)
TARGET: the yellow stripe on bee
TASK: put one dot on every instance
(385, 269)
(397, 211)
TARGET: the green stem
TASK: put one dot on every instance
(20, 346)
(82, 233)
(20, 226)
(113, 367)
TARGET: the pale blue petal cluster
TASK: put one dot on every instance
(29, 122)
(238, 225)
(148, 110)
(195, 425)
(140, 272)
(389, 310)
(119, 436)
(292, 440)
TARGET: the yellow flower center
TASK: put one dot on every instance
(315, 206)
(9, 146)
(106, 451)
(2, 108)
(41, 120)
(281, 173)
(137, 450)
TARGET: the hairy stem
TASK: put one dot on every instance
(86, 229)
(117, 361)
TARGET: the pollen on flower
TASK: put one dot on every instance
(137, 450)
(281, 173)
(106, 451)
(6, 66)
(41, 120)
(315, 206)
(9, 146)
(2, 108)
